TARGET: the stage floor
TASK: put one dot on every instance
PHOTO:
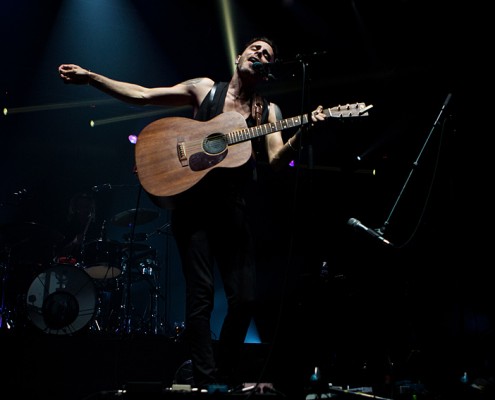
(91, 366)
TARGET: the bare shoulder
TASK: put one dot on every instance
(198, 87)
(202, 83)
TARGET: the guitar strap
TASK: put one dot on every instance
(257, 114)
(215, 107)
(257, 108)
(213, 91)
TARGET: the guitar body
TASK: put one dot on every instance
(172, 154)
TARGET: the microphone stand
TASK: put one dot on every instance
(303, 60)
(381, 230)
(305, 95)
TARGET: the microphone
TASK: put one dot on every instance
(259, 67)
(357, 224)
(98, 188)
(263, 69)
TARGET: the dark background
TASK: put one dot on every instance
(424, 304)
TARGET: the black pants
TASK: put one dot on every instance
(210, 233)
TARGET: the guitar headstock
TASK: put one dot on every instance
(348, 110)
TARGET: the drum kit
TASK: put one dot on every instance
(90, 291)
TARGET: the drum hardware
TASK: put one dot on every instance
(101, 259)
(138, 249)
(154, 317)
(103, 231)
(131, 218)
(136, 267)
(136, 264)
(159, 231)
(147, 266)
(136, 270)
(143, 236)
(107, 317)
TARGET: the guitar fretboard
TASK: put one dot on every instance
(242, 135)
(345, 111)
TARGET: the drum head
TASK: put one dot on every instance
(62, 300)
(102, 259)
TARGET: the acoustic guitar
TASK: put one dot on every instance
(172, 154)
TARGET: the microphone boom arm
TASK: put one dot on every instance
(381, 230)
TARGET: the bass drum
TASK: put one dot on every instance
(62, 300)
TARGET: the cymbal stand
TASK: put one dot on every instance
(126, 304)
(126, 300)
(158, 326)
(154, 294)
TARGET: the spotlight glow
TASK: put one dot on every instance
(139, 115)
(132, 139)
(57, 106)
(230, 35)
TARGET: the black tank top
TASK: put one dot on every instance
(223, 183)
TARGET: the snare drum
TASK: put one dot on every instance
(102, 259)
(62, 300)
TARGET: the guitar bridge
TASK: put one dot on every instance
(181, 152)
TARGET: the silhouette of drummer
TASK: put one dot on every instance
(80, 228)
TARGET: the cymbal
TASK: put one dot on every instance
(131, 217)
(18, 233)
(139, 250)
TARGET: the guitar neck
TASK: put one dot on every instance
(348, 110)
(245, 134)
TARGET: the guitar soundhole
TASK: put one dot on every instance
(215, 150)
(215, 143)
